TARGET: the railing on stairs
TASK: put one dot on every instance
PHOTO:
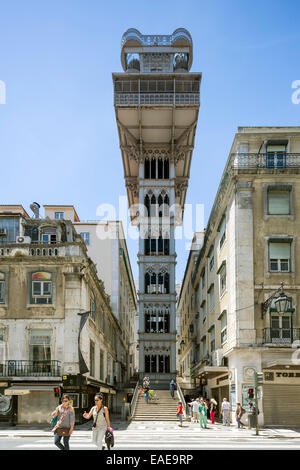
(181, 397)
(134, 400)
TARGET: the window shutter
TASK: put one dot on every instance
(280, 250)
(279, 202)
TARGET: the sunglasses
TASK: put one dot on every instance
(98, 399)
(64, 400)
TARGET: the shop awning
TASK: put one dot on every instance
(26, 389)
(104, 390)
(211, 371)
(112, 391)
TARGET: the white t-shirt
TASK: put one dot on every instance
(225, 405)
(195, 405)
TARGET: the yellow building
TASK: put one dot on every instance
(250, 248)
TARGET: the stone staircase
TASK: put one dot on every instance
(162, 409)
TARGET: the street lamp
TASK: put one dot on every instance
(282, 303)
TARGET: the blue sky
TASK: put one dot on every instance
(58, 136)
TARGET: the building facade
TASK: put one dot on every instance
(250, 247)
(106, 246)
(156, 103)
(57, 330)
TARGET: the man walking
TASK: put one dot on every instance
(225, 410)
(172, 388)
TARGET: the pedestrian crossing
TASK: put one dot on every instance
(161, 437)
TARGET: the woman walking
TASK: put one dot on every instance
(238, 415)
(180, 413)
(65, 423)
(213, 409)
(101, 420)
(203, 414)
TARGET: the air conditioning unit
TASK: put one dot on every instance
(23, 240)
(217, 357)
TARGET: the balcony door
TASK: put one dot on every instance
(276, 156)
(281, 329)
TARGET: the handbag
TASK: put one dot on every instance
(62, 431)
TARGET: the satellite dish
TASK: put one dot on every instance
(35, 207)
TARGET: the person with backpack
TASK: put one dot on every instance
(101, 421)
(64, 425)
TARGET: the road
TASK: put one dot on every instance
(163, 436)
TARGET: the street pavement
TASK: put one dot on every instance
(158, 436)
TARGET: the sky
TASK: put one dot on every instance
(58, 135)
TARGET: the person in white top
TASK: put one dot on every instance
(101, 421)
(225, 410)
(195, 407)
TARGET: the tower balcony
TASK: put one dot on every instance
(163, 90)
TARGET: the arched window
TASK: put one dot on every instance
(41, 288)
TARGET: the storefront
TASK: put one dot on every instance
(32, 403)
(281, 396)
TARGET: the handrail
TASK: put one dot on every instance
(134, 400)
(181, 396)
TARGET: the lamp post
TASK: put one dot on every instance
(282, 302)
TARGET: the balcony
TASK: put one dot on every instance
(8, 248)
(152, 92)
(30, 369)
(280, 336)
(270, 160)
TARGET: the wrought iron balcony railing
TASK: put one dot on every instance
(270, 160)
(16, 368)
(281, 335)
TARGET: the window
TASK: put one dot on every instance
(157, 363)
(92, 358)
(280, 256)
(92, 306)
(279, 202)
(222, 231)
(74, 399)
(101, 365)
(223, 327)
(9, 228)
(86, 237)
(59, 215)
(157, 283)
(276, 155)
(203, 311)
(203, 279)
(2, 288)
(211, 297)
(211, 258)
(222, 274)
(41, 288)
(101, 319)
(212, 340)
(157, 319)
(281, 329)
(48, 236)
(40, 346)
(204, 350)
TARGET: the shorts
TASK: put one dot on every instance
(195, 414)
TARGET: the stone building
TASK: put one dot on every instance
(156, 103)
(250, 247)
(48, 340)
(106, 246)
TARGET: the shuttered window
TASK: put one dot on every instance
(278, 202)
(280, 256)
